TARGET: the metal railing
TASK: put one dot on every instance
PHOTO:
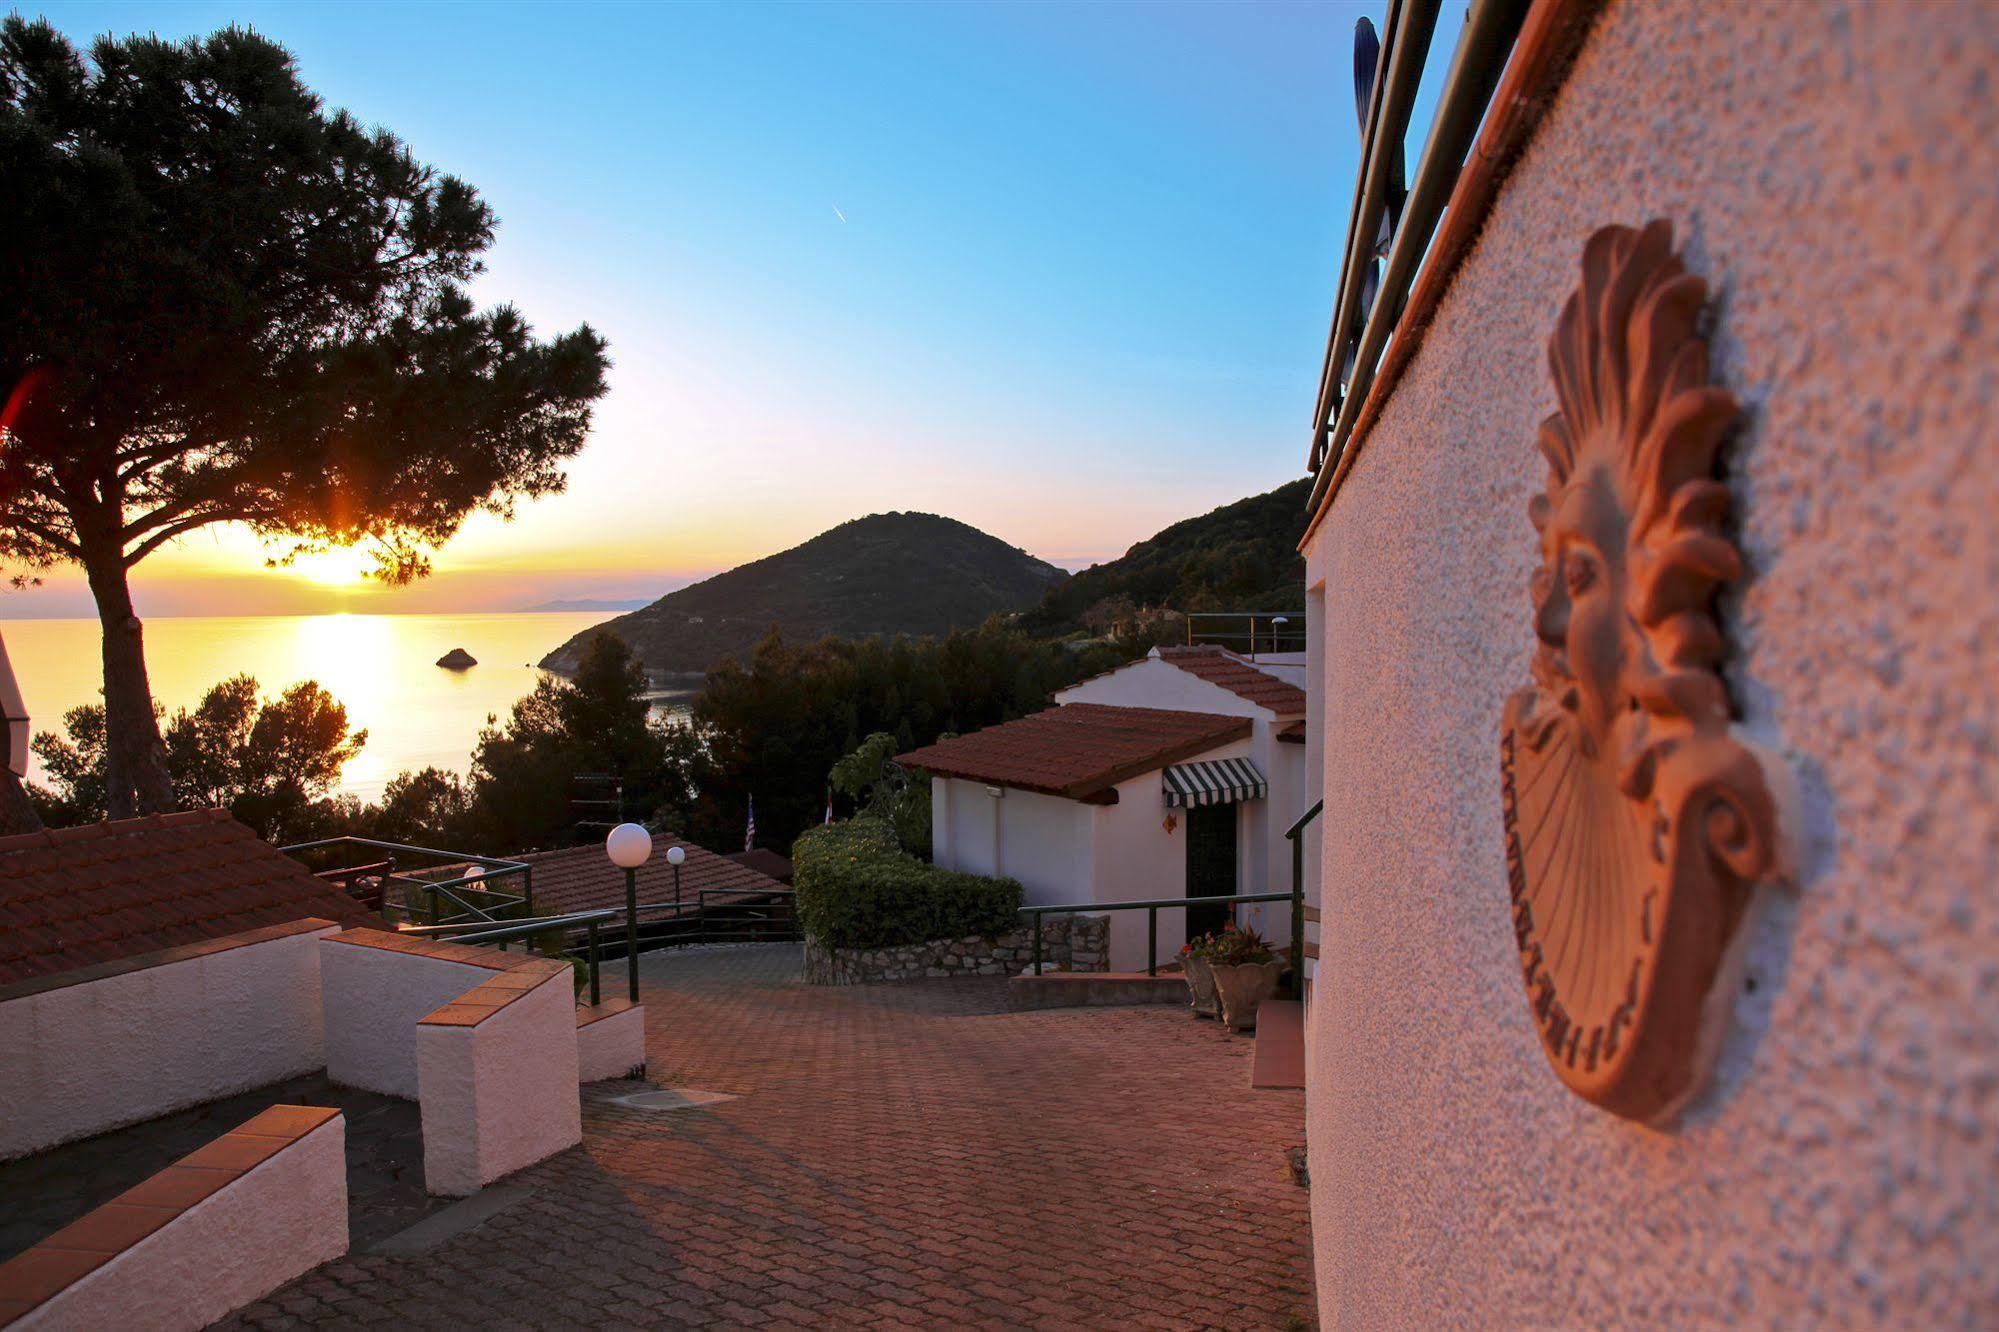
(1295, 834)
(714, 915)
(1248, 632)
(438, 893)
(591, 921)
(1152, 909)
(1388, 226)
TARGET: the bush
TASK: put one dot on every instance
(857, 888)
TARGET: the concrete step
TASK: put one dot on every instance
(1279, 1061)
(1081, 989)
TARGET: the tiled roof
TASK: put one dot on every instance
(1238, 677)
(1079, 750)
(582, 878)
(764, 861)
(105, 892)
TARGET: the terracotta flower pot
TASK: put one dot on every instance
(1201, 982)
(1243, 988)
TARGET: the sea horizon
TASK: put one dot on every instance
(380, 665)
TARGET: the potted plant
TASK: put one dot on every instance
(1245, 971)
(1200, 976)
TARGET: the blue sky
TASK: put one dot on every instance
(1080, 291)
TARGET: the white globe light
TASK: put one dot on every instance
(628, 846)
(676, 855)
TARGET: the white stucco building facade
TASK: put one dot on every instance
(1081, 805)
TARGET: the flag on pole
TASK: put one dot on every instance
(750, 833)
(829, 804)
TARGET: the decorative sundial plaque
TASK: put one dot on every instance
(1637, 824)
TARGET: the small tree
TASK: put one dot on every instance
(883, 790)
(226, 304)
(271, 764)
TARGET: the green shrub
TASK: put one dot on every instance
(857, 888)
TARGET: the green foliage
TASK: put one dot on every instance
(858, 889)
(773, 726)
(427, 808)
(225, 303)
(1242, 556)
(888, 573)
(271, 763)
(1234, 945)
(882, 790)
(524, 773)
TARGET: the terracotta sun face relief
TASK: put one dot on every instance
(1637, 824)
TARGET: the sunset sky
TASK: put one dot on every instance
(1080, 289)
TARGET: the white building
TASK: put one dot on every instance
(1173, 777)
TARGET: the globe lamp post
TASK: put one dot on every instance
(675, 856)
(629, 846)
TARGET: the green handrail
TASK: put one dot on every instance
(1296, 834)
(1152, 907)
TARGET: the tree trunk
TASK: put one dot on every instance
(16, 814)
(135, 761)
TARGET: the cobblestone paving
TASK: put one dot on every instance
(897, 1155)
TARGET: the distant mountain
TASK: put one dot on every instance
(1242, 556)
(585, 604)
(888, 573)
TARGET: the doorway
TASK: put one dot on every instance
(1211, 865)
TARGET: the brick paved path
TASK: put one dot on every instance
(897, 1155)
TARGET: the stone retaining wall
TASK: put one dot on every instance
(1068, 943)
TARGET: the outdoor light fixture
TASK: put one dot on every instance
(630, 846)
(675, 855)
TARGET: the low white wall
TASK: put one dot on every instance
(282, 1218)
(374, 999)
(499, 1094)
(84, 1058)
(612, 1046)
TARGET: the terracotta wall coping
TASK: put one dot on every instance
(179, 953)
(478, 1004)
(589, 1013)
(30, 1279)
(492, 959)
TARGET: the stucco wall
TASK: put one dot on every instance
(1834, 171)
(1138, 860)
(500, 1094)
(281, 1218)
(92, 1056)
(1044, 840)
(374, 999)
(1265, 865)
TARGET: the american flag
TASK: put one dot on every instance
(750, 833)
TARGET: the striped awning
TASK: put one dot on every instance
(1215, 782)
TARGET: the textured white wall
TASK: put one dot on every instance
(1138, 860)
(374, 998)
(282, 1218)
(613, 1046)
(82, 1059)
(1833, 170)
(501, 1095)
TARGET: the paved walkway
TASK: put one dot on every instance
(895, 1155)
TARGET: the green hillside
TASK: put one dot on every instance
(887, 573)
(1242, 556)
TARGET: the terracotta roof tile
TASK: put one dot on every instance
(78, 897)
(1239, 677)
(1078, 750)
(582, 878)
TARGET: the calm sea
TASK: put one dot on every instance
(380, 666)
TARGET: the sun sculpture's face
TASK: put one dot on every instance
(1636, 822)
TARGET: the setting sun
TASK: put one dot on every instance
(342, 566)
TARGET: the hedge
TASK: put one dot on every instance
(857, 888)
